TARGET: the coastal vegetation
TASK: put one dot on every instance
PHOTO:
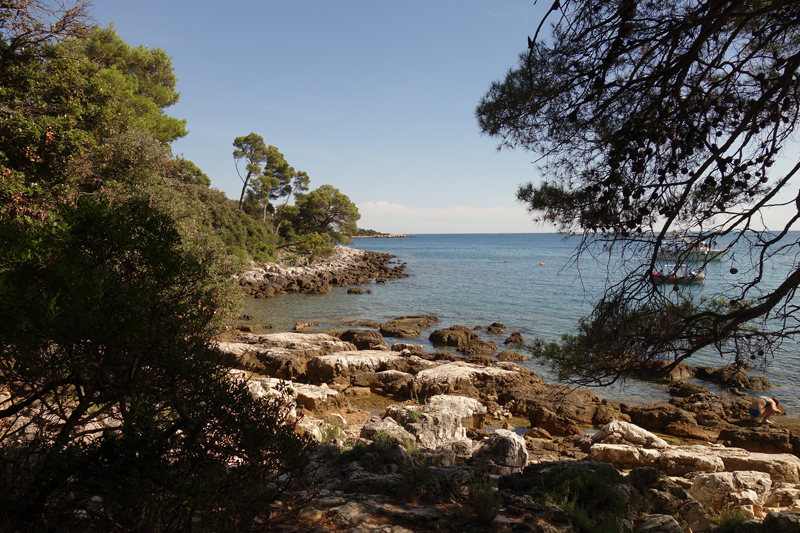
(115, 277)
(661, 118)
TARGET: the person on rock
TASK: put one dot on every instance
(764, 407)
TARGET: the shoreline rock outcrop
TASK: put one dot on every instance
(437, 427)
(348, 266)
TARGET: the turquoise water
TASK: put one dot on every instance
(478, 279)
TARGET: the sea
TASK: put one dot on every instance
(529, 282)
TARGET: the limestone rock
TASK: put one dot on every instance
(662, 523)
(365, 339)
(759, 440)
(316, 399)
(472, 380)
(504, 452)
(388, 381)
(472, 413)
(479, 347)
(455, 336)
(746, 491)
(409, 327)
(553, 423)
(619, 432)
(281, 355)
(386, 426)
(508, 355)
(412, 349)
(431, 427)
(345, 365)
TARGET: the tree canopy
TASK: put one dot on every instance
(116, 271)
(653, 117)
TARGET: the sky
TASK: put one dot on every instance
(373, 97)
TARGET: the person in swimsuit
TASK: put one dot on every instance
(764, 407)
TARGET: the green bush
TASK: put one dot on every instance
(486, 502)
(108, 315)
(729, 519)
(592, 497)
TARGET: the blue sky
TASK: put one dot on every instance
(375, 98)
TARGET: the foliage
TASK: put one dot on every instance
(654, 117)
(486, 502)
(326, 211)
(625, 338)
(187, 172)
(315, 246)
(116, 412)
(591, 497)
(243, 235)
(252, 150)
(729, 519)
(143, 77)
(109, 316)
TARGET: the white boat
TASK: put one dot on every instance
(686, 249)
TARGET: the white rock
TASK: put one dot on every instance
(746, 491)
(620, 432)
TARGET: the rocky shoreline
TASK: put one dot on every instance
(461, 416)
(469, 411)
(348, 266)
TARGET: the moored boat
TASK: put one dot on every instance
(686, 249)
(677, 275)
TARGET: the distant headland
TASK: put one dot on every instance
(372, 234)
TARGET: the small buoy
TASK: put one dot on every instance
(541, 264)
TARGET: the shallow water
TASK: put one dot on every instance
(525, 281)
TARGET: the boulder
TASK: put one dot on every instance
(746, 491)
(619, 432)
(319, 400)
(508, 355)
(342, 367)
(411, 349)
(680, 460)
(660, 523)
(760, 440)
(432, 427)
(667, 497)
(281, 355)
(365, 339)
(553, 423)
(781, 523)
(386, 427)
(496, 328)
(733, 377)
(409, 327)
(479, 347)
(578, 405)
(514, 339)
(388, 381)
(503, 453)
(472, 380)
(455, 336)
(471, 412)
(781, 467)
(785, 496)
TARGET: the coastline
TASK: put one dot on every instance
(384, 236)
(348, 266)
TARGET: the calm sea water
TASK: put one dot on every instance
(526, 281)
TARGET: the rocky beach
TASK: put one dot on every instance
(429, 424)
